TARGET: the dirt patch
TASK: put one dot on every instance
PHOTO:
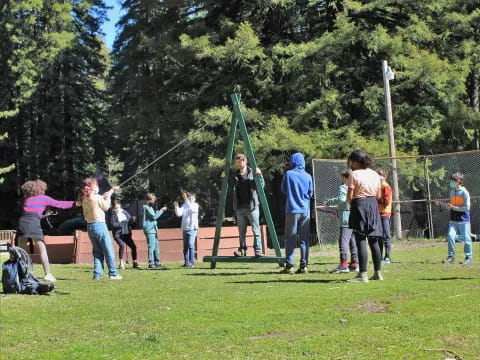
(405, 245)
(370, 307)
(266, 335)
(373, 307)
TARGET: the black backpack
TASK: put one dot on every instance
(17, 277)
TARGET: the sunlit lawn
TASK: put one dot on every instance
(423, 310)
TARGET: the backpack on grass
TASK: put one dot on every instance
(17, 277)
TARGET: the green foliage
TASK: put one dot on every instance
(52, 65)
(309, 73)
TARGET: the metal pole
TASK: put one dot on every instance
(397, 220)
(429, 199)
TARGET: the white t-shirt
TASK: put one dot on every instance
(189, 213)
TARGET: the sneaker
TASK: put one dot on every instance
(190, 266)
(116, 277)
(122, 266)
(468, 260)
(386, 261)
(449, 260)
(302, 270)
(49, 277)
(240, 252)
(152, 266)
(287, 270)
(353, 267)
(160, 267)
(361, 277)
(377, 275)
(340, 270)
(258, 254)
(135, 265)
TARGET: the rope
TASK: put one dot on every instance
(170, 150)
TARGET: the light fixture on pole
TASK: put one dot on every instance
(397, 220)
(389, 73)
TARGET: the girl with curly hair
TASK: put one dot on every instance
(29, 228)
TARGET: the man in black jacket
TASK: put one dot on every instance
(246, 204)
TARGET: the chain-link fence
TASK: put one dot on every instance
(421, 181)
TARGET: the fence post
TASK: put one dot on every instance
(429, 199)
(397, 219)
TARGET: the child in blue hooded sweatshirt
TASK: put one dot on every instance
(298, 186)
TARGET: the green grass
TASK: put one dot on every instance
(423, 310)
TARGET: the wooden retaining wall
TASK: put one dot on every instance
(78, 249)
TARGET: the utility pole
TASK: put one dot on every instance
(397, 220)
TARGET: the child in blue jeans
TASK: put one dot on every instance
(189, 213)
(459, 206)
(150, 217)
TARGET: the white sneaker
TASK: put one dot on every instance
(49, 277)
(122, 266)
(361, 277)
(116, 277)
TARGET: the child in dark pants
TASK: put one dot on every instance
(385, 208)
(363, 191)
(346, 239)
(121, 223)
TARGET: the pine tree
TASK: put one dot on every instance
(54, 100)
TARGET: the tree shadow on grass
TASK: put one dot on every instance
(449, 278)
(424, 262)
(324, 263)
(224, 268)
(232, 274)
(69, 279)
(308, 281)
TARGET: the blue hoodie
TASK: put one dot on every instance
(298, 186)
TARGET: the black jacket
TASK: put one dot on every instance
(124, 227)
(233, 181)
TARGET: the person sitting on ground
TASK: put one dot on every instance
(346, 239)
(150, 228)
(29, 227)
(189, 213)
(459, 206)
(297, 184)
(121, 223)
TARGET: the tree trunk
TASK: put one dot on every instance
(474, 89)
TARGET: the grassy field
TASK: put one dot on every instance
(423, 310)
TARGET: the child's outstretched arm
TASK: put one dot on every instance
(178, 209)
(340, 199)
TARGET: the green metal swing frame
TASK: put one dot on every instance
(238, 121)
